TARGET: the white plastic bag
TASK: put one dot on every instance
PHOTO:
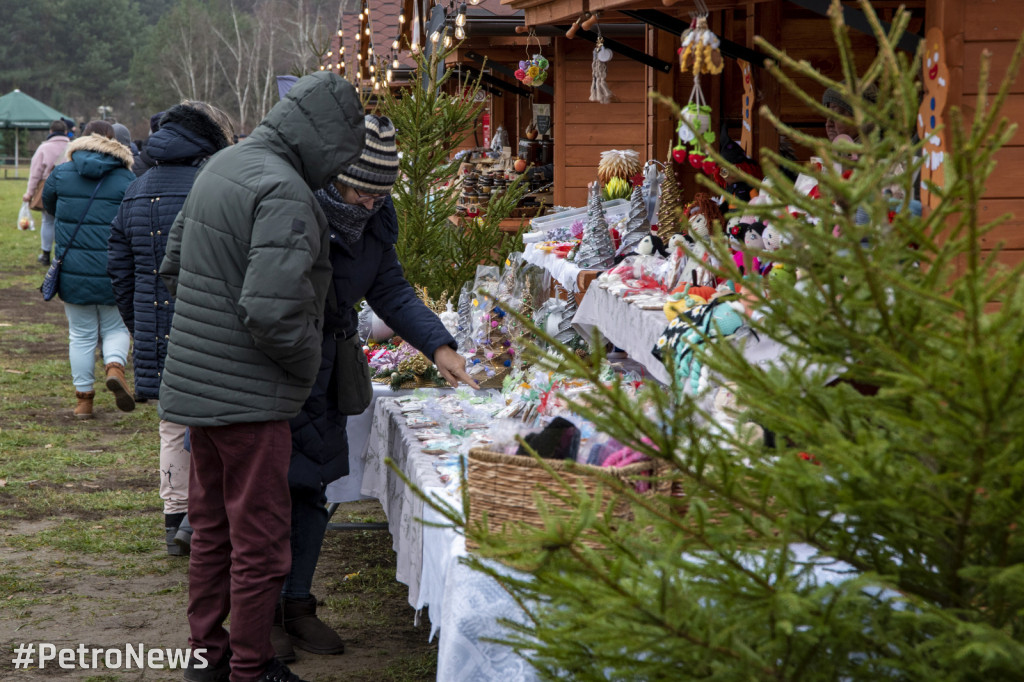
(25, 220)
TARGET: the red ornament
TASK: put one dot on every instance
(696, 160)
(679, 154)
(709, 167)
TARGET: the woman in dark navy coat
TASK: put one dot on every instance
(189, 133)
(364, 229)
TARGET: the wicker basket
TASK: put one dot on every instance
(503, 486)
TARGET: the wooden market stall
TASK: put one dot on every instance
(582, 129)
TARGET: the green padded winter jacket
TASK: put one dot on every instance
(247, 261)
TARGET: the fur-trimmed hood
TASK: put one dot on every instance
(186, 135)
(95, 155)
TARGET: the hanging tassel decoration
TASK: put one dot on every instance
(599, 91)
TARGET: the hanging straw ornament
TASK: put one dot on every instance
(599, 90)
(700, 51)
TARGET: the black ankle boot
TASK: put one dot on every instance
(44, 258)
(306, 630)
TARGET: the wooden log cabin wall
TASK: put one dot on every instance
(971, 27)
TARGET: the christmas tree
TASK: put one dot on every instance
(637, 225)
(596, 250)
(670, 209)
(879, 536)
(433, 120)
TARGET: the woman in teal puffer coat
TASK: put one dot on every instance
(99, 168)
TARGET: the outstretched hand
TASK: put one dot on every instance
(452, 367)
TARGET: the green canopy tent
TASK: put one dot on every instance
(18, 110)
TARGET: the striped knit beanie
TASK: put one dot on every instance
(377, 169)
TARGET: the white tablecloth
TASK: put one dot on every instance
(347, 488)
(464, 605)
(633, 330)
(561, 270)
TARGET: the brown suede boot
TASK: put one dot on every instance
(119, 387)
(306, 630)
(83, 410)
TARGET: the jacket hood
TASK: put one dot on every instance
(186, 134)
(318, 125)
(94, 156)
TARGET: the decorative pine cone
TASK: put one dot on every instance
(417, 364)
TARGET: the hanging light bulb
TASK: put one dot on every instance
(339, 32)
(474, 2)
(394, 63)
(367, 30)
(376, 86)
(401, 17)
(460, 33)
(394, 45)
(369, 49)
(435, 36)
(447, 39)
(460, 19)
(330, 53)
(321, 67)
(387, 76)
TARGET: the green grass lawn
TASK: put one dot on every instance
(82, 555)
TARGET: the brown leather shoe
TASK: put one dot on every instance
(306, 630)
(117, 385)
(83, 410)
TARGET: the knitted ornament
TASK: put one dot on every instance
(533, 72)
(618, 163)
(417, 364)
(699, 50)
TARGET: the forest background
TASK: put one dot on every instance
(139, 57)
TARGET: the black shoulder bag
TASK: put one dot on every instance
(52, 280)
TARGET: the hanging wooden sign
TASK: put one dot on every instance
(747, 134)
(930, 125)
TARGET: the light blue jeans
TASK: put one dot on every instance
(46, 233)
(88, 325)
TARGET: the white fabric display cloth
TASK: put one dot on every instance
(633, 330)
(390, 437)
(561, 270)
(347, 488)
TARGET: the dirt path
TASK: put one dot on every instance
(53, 591)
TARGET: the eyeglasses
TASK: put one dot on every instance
(373, 197)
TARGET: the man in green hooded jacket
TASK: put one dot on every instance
(248, 264)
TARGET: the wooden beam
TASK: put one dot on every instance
(558, 115)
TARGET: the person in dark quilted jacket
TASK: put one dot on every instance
(248, 262)
(192, 132)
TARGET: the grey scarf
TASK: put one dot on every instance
(348, 219)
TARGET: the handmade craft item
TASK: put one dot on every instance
(599, 90)
(700, 51)
(929, 116)
(670, 208)
(618, 163)
(533, 71)
(637, 225)
(718, 319)
(596, 251)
